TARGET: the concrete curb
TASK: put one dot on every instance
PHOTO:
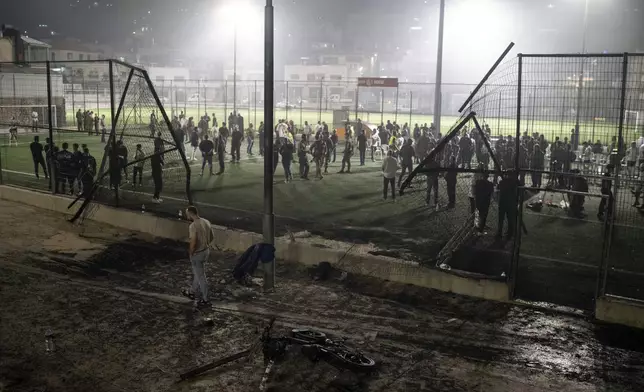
(302, 251)
(620, 311)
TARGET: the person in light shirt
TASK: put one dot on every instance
(389, 170)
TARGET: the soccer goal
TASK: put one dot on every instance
(23, 115)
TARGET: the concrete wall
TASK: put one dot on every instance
(304, 251)
(620, 311)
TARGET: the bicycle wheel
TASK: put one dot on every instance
(308, 335)
(354, 361)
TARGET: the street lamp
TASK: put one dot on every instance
(234, 13)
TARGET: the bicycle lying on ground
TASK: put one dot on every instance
(314, 345)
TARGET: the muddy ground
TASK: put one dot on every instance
(111, 300)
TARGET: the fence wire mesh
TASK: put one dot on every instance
(572, 113)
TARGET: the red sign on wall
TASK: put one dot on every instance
(378, 82)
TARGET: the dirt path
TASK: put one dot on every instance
(111, 300)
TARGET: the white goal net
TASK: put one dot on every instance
(24, 116)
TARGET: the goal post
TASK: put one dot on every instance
(22, 115)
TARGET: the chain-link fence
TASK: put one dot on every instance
(559, 119)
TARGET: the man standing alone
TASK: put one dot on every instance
(36, 153)
(362, 146)
(389, 169)
(201, 237)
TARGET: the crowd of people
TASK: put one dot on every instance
(565, 163)
(62, 167)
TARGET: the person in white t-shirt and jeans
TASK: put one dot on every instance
(201, 238)
(389, 170)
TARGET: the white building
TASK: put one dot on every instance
(167, 74)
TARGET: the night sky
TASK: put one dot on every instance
(475, 29)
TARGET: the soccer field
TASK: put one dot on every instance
(598, 129)
(350, 207)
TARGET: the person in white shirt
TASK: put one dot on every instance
(631, 159)
(389, 169)
(34, 121)
(640, 142)
(375, 144)
(306, 132)
(587, 159)
(201, 238)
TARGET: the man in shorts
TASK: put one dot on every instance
(201, 237)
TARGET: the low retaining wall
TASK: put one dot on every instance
(305, 251)
(620, 311)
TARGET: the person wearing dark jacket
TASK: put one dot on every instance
(407, 155)
(450, 181)
(483, 190)
(302, 151)
(346, 157)
(236, 137)
(221, 153)
(287, 158)
(79, 120)
(76, 167)
(207, 149)
(261, 138)
(88, 172)
(508, 188)
(276, 154)
(362, 146)
(122, 153)
(97, 123)
(36, 154)
(156, 164)
(224, 132)
(334, 145)
(63, 162)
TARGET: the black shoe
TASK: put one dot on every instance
(186, 293)
(203, 304)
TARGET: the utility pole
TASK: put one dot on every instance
(580, 86)
(269, 82)
(439, 69)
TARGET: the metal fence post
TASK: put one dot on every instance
(113, 126)
(255, 100)
(269, 95)
(205, 97)
(514, 264)
(286, 100)
(498, 117)
(225, 100)
(411, 105)
(620, 137)
(320, 103)
(185, 97)
(52, 178)
(98, 106)
(73, 103)
(301, 117)
(83, 89)
(357, 101)
(382, 106)
(396, 113)
(198, 98)
(326, 98)
(517, 144)
(248, 111)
